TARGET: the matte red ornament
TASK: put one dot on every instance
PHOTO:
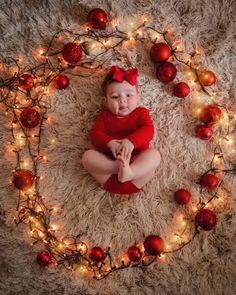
(96, 254)
(182, 196)
(154, 245)
(181, 89)
(23, 179)
(209, 181)
(134, 254)
(97, 18)
(72, 52)
(207, 78)
(210, 114)
(206, 219)
(44, 258)
(26, 81)
(30, 118)
(160, 52)
(204, 132)
(166, 72)
(61, 82)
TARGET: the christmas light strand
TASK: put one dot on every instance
(71, 252)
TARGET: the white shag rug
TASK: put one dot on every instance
(207, 265)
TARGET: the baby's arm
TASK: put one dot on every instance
(145, 131)
(98, 135)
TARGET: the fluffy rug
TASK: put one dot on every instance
(207, 264)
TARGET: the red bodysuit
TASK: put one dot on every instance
(137, 127)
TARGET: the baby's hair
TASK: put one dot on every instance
(108, 80)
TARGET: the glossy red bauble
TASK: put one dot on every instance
(206, 219)
(166, 72)
(207, 78)
(96, 254)
(61, 82)
(204, 132)
(182, 196)
(134, 254)
(210, 181)
(72, 53)
(23, 179)
(26, 81)
(30, 118)
(153, 245)
(160, 52)
(210, 114)
(44, 258)
(97, 18)
(181, 89)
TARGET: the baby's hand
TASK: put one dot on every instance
(126, 148)
(115, 147)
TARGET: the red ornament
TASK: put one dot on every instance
(181, 89)
(97, 18)
(134, 254)
(204, 132)
(30, 118)
(154, 245)
(207, 78)
(182, 196)
(210, 181)
(166, 72)
(96, 254)
(72, 53)
(206, 219)
(26, 81)
(61, 82)
(23, 179)
(160, 52)
(44, 258)
(210, 114)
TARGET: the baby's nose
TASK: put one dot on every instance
(122, 98)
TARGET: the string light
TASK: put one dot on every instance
(39, 227)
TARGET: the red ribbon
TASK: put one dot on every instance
(120, 75)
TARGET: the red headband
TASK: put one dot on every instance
(119, 75)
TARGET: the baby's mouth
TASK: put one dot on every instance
(123, 108)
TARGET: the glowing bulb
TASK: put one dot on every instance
(142, 248)
(25, 164)
(144, 19)
(167, 247)
(40, 52)
(20, 141)
(54, 227)
(198, 111)
(30, 191)
(38, 209)
(229, 140)
(61, 246)
(41, 234)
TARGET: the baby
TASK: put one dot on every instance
(122, 162)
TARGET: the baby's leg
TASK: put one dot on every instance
(99, 165)
(142, 169)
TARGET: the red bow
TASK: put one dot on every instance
(120, 75)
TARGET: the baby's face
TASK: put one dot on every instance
(122, 98)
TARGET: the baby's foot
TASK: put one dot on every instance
(125, 172)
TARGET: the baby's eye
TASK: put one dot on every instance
(129, 95)
(114, 96)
